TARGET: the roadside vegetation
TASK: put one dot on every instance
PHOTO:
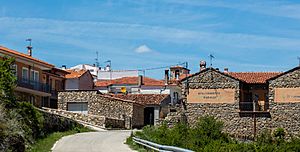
(21, 124)
(207, 136)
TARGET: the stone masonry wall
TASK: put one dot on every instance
(211, 79)
(289, 80)
(102, 105)
(93, 120)
(283, 115)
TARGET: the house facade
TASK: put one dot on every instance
(32, 83)
(79, 80)
(156, 106)
(247, 102)
(94, 103)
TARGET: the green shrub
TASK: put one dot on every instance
(279, 133)
(32, 119)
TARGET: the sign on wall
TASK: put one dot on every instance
(211, 96)
(287, 95)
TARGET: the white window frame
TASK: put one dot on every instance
(27, 76)
(33, 76)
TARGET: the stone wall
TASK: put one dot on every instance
(289, 80)
(212, 79)
(280, 115)
(107, 106)
(283, 115)
(54, 122)
(93, 120)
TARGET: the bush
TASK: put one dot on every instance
(32, 119)
(207, 136)
(279, 133)
(12, 136)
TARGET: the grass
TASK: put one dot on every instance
(134, 146)
(45, 144)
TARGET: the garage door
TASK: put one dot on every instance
(81, 107)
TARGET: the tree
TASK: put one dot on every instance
(7, 81)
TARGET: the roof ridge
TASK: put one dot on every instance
(24, 55)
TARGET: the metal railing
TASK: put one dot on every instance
(34, 85)
(158, 147)
(252, 106)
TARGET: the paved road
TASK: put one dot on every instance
(102, 141)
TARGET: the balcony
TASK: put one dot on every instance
(248, 109)
(33, 85)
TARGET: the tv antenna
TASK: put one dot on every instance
(29, 40)
(211, 58)
(97, 59)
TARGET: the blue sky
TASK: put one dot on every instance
(137, 34)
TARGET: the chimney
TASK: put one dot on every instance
(140, 80)
(166, 77)
(202, 65)
(177, 74)
(29, 50)
(64, 67)
(225, 70)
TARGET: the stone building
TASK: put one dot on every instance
(156, 106)
(271, 99)
(96, 103)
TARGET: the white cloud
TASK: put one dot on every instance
(143, 49)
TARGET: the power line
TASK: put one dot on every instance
(162, 67)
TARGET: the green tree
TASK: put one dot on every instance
(7, 81)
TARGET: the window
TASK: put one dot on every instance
(34, 76)
(25, 74)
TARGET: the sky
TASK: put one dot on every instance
(254, 35)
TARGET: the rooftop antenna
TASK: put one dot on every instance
(29, 47)
(97, 59)
(299, 60)
(29, 40)
(211, 58)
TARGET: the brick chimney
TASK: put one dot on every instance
(140, 80)
(166, 77)
(202, 65)
(29, 50)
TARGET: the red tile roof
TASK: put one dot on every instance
(75, 73)
(130, 81)
(144, 99)
(18, 54)
(253, 77)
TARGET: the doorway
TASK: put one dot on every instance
(149, 116)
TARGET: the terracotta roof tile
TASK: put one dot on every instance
(75, 73)
(144, 99)
(24, 56)
(253, 77)
(130, 81)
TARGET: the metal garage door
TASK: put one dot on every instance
(81, 107)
